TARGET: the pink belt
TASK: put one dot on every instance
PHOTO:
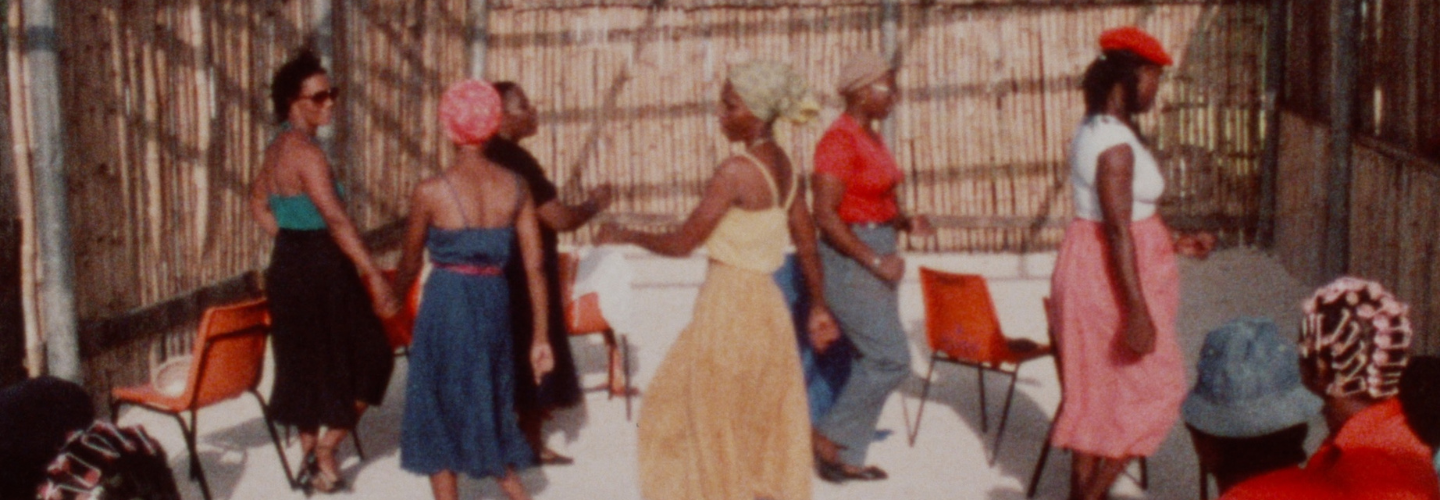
(472, 269)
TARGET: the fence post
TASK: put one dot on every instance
(1276, 34)
(57, 272)
(889, 49)
(477, 28)
(1344, 25)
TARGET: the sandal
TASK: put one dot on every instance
(835, 472)
(550, 457)
(327, 482)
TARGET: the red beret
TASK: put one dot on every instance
(1137, 41)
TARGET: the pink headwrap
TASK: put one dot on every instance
(470, 110)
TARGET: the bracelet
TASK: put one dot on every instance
(875, 262)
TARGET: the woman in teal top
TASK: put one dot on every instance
(331, 356)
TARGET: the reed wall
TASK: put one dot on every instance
(167, 114)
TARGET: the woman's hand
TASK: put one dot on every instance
(890, 267)
(382, 296)
(1139, 335)
(1196, 245)
(609, 234)
(919, 226)
(601, 197)
(823, 329)
(542, 359)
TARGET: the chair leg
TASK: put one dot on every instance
(984, 419)
(275, 437)
(625, 369)
(612, 349)
(355, 436)
(924, 393)
(197, 473)
(1144, 474)
(1040, 464)
(1004, 416)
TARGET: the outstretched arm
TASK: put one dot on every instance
(720, 194)
(561, 217)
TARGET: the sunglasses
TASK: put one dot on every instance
(320, 97)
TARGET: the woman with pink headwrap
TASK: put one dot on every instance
(459, 406)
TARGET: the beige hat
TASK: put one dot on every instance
(862, 69)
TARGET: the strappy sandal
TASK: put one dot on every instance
(835, 472)
(327, 482)
(550, 457)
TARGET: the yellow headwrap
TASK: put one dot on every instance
(773, 90)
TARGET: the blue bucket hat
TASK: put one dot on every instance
(1249, 383)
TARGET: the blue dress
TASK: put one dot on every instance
(459, 396)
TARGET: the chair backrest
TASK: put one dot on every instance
(582, 314)
(229, 352)
(569, 266)
(960, 317)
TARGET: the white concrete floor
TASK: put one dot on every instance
(947, 462)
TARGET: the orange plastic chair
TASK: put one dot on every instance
(582, 317)
(1144, 478)
(228, 356)
(400, 329)
(962, 328)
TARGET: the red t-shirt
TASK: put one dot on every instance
(1374, 456)
(865, 166)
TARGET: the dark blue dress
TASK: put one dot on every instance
(459, 395)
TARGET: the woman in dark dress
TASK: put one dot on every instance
(561, 388)
(331, 357)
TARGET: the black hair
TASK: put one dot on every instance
(1114, 67)
(1420, 398)
(505, 87)
(285, 86)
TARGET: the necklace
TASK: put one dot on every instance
(759, 141)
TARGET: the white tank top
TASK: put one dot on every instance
(1097, 134)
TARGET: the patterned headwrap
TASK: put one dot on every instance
(470, 110)
(1356, 336)
(773, 90)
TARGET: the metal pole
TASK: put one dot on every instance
(322, 41)
(57, 273)
(889, 49)
(1277, 32)
(1344, 23)
(477, 29)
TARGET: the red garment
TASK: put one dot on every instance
(1115, 403)
(865, 166)
(1374, 456)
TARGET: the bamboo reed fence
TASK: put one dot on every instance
(167, 108)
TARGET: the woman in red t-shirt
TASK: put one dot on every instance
(855, 207)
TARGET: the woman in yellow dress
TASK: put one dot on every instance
(725, 416)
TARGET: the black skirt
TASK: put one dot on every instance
(329, 347)
(561, 387)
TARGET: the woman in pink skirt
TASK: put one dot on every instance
(1116, 288)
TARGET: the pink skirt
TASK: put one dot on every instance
(1115, 404)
